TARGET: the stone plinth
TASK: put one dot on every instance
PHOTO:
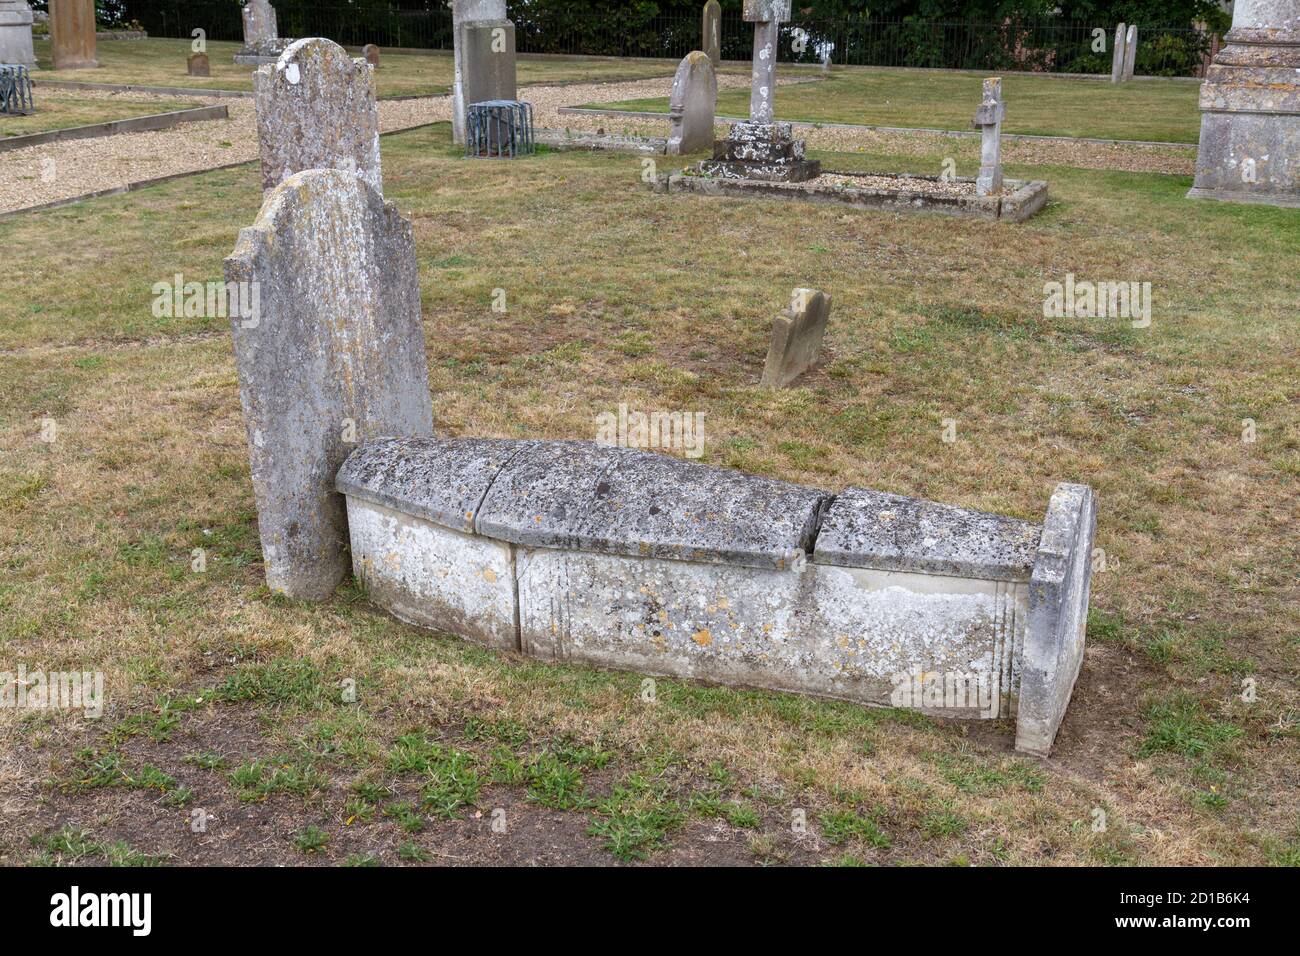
(1250, 109)
(16, 34)
(766, 152)
(72, 34)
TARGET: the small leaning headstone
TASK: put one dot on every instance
(692, 106)
(796, 338)
(316, 110)
(1117, 55)
(198, 65)
(711, 32)
(988, 119)
(331, 355)
(371, 53)
(1130, 53)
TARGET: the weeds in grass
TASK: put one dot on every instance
(311, 840)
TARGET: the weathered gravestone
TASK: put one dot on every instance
(262, 42)
(198, 65)
(711, 32)
(761, 149)
(333, 356)
(484, 58)
(316, 110)
(988, 119)
(1250, 109)
(1117, 56)
(692, 106)
(16, 34)
(371, 53)
(796, 338)
(1130, 52)
(72, 34)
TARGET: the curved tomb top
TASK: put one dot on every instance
(588, 496)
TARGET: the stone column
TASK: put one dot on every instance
(72, 34)
(1250, 109)
(988, 118)
(16, 34)
(767, 17)
(711, 32)
(482, 72)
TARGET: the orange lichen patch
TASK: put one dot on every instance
(702, 637)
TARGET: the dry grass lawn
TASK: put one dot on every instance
(225, 699)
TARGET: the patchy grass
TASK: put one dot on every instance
(159, 61)
(224, 698)
(1159, 110)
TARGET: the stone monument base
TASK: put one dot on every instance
(260, 54)
(764, 152)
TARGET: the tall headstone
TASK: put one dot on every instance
(988, 119)
(711, 32)
(16, 34)
(316, 110)
(761, 149)
(1250, 109)
(1117, 54)
(331, 356)
(796, 338)
(483, 57)
(72, 34)
(1130, 52)
(262, 40)
(693, 105)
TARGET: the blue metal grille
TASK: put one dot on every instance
(15, 89)
(499, 129)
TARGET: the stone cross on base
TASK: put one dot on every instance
(767, 17)
(989, 119)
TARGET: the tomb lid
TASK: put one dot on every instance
(592, 497)
(874, 529)
(442, 480)
(587, 496)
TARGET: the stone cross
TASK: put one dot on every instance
(796, 338)
(316, 110)
(767, 17)
(692, 106)
(330, 355)
(1130, 52)
(711, 32)
(1117, 55)
(989, 119)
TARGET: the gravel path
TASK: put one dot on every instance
(43, 174)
